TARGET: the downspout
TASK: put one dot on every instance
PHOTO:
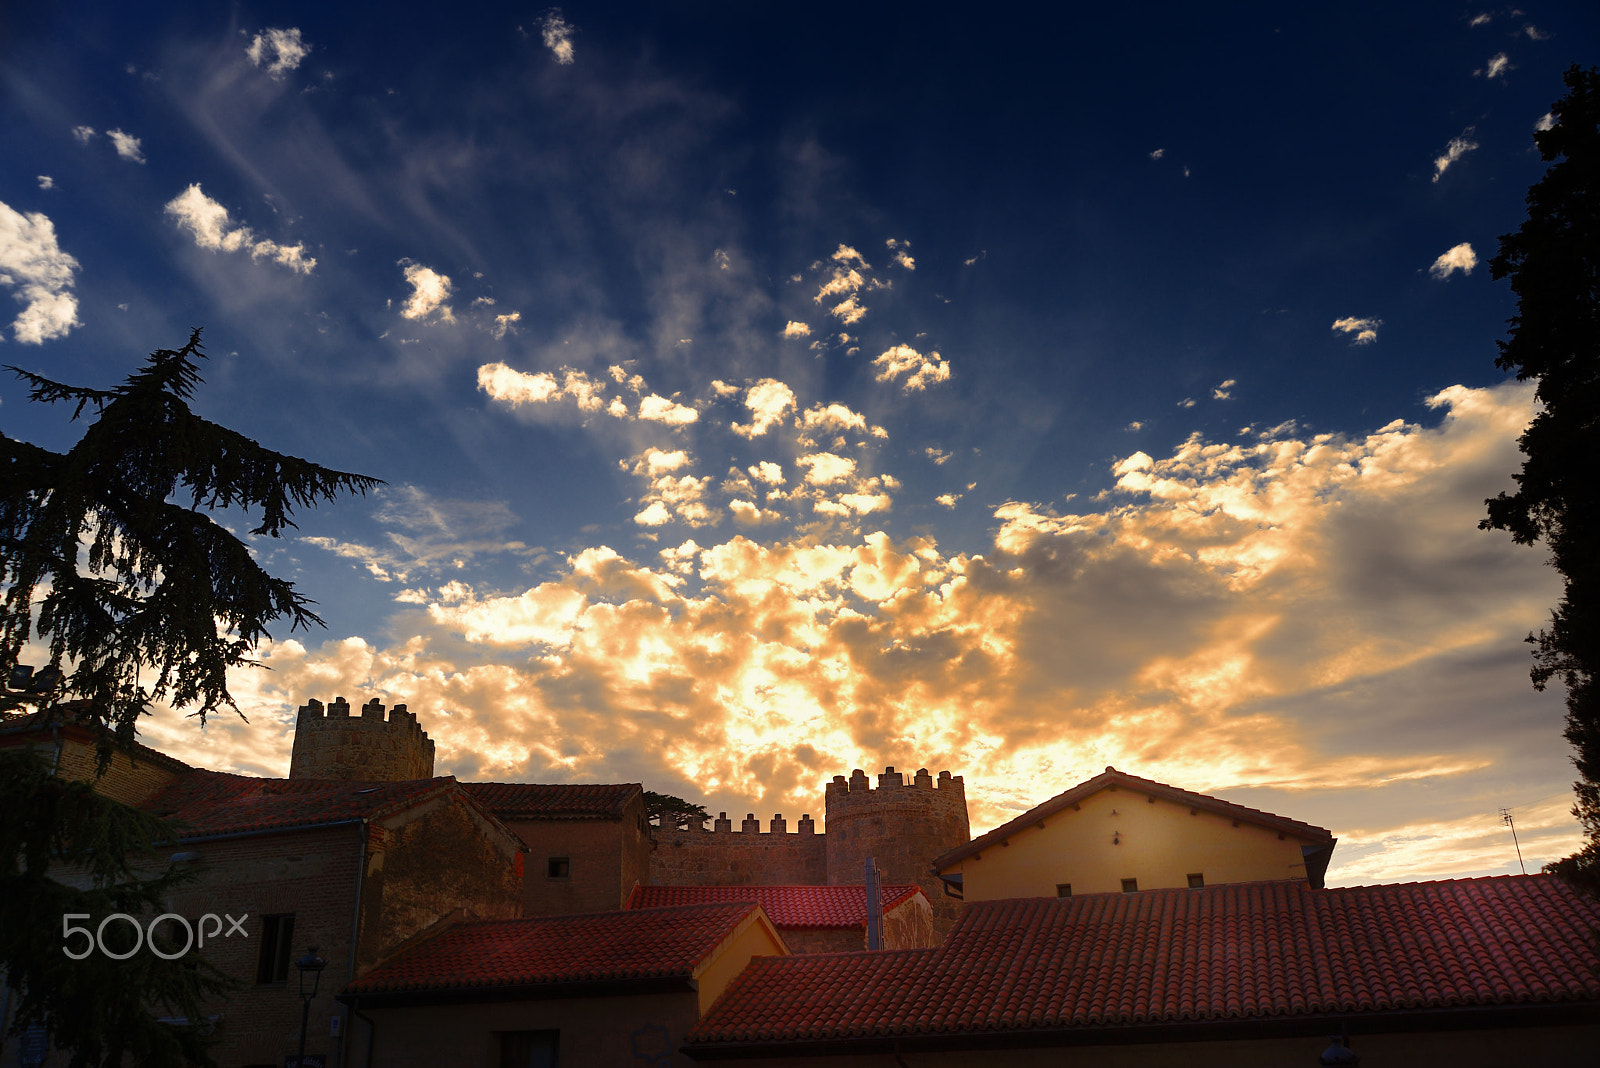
(355, 933)
(372, 1029)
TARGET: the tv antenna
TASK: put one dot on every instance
(1505, 818)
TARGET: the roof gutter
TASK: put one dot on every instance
(393, 999)
(1457, 1018)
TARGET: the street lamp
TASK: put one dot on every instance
(313, 964)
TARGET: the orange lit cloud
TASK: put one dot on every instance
(1298, 620)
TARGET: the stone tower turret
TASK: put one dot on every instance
(902, 825)
(365, 748)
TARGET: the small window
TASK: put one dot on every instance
(1130, 885)
(1196, 880)
(530, 1049)
(277, 936)
(1063, 889)
(559, 867)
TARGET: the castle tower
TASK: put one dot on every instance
(902, 825)
(364, 748)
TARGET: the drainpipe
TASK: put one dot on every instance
(355, 934)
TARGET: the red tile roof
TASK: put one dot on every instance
(665, 943)
(1121, 779)
(1254, 952)
(214, 802)
(560, 801)
(785, 906)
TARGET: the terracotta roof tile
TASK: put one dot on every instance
(509, 800)
(214, 802)
(1111, 777)
(785, 906)
(661, 943)
(1252, 951)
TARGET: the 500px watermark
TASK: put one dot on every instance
(96, 938)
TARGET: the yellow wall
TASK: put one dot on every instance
(1160, 844)
(754, 938)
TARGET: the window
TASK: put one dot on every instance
(559, 867)
(1196, 880)
(1063, 889)
(1130, 885)
(277, 936)
(530, 1049)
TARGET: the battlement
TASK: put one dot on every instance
(857, 793)
(332, 744)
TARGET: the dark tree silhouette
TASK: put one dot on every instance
(109, 558)
(1553, 262)
(112, 569)
(668, 811)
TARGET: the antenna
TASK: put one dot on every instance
(1505, 818)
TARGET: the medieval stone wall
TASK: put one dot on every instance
(365, 748)
(723, 856)
(902, 826)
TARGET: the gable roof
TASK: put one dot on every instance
(209, 803)
(495, 957)
(556, 801)
(1316, 861)
(1041, 971)
(785, 906)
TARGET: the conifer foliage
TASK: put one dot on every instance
(1553, 262)
(109, 558)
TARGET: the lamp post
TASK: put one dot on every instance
(313, 964)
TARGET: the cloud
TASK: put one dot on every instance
(948, 499)
(208, 221)
(1458, 147)
(1497, 66)
(796, 329)
(1547, 121)
(83, 134)
(1158, 153)
(46, 182)
(557, 35)
(277, 51)
(1223, 391)
(1460, 258)
(429, 291)
(826, 468)
(919, 369)
(127, 146)
(40, 275)
(1480, 19)
(504, 324)
(1365, 330)
(768, 401)
(428, 536)
(899, 255)
(1534, 33)
(938, 456)
(1289, 620)
(658, 409)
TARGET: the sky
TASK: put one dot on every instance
(762, 393)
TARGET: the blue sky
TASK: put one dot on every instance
(763, 394)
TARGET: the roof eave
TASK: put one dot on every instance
(390, 999)
(1458, 1018)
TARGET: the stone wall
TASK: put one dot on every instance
(365, 748)
(723, 856)
(902, 826)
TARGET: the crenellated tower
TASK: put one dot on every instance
(902, 825)
(333, 744)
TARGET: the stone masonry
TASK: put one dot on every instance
(367, 748)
